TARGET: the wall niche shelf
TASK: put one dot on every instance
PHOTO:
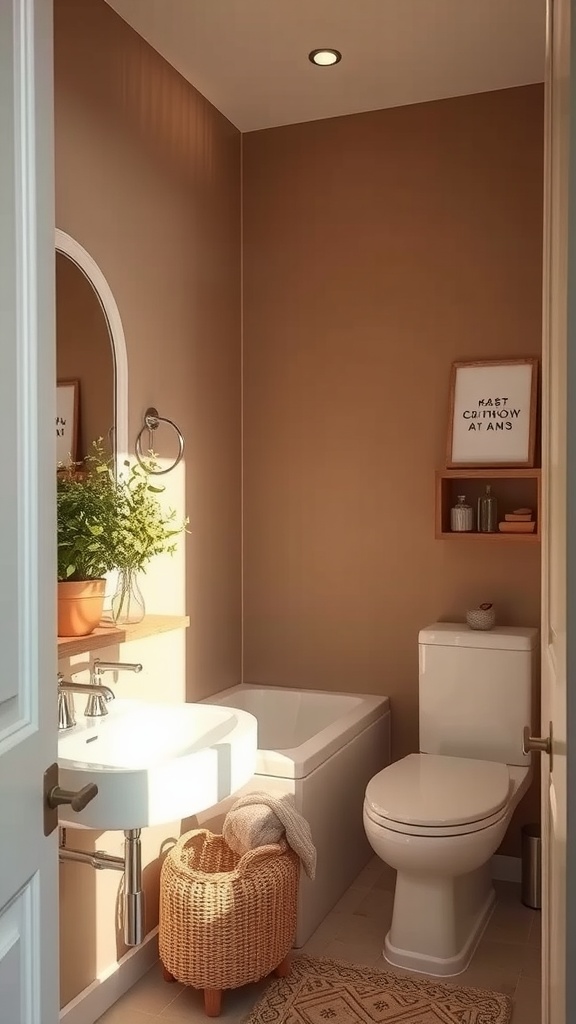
(107, 636)
(514, 488)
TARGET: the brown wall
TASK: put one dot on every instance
(148, 181)
(84, 352)
(377, 249)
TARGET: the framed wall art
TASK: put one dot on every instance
(67, 408)
(493, 410)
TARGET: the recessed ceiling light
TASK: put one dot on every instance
(324, 58)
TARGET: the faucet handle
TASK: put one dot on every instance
(66, 712)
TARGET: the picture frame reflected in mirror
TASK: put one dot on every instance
(67, 416)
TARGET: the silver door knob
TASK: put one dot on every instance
(536, 744)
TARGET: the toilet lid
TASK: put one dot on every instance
(429, 789)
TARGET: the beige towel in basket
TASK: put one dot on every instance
(259, 819)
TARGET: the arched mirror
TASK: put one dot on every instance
(90, 357)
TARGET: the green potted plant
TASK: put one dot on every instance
(86, 507)
(107, 521)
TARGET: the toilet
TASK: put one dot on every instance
(438, 816)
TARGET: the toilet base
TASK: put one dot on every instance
(443, 948)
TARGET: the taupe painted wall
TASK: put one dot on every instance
(148, 181)
(378, 248)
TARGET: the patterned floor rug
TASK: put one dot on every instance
(322, 991)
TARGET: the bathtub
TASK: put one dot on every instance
(323, 748)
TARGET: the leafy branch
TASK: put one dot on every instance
(111, 522)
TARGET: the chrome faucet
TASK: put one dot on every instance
(95, 706)
(98, 694)
(66, 689)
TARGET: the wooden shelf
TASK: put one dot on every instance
(107, 636)
(499, 538)
(489, 474)
(516, 488)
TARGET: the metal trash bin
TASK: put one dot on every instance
(532, 866)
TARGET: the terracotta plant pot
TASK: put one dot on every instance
(80, 606)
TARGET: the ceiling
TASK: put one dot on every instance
(249, 57)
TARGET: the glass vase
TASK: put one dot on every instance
(462, 516)
(127, 604)
(487, 512)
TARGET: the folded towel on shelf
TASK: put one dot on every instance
(258, 819)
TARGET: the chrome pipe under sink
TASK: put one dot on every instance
(133, 902)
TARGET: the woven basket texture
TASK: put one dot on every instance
(226, 920)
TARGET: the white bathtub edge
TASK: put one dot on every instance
(299, 762)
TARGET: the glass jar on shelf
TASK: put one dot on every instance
(462, 516)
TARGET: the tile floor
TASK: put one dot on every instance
(508, 958)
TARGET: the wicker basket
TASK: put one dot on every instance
(226, 920)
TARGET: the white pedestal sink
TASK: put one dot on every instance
(155, 763)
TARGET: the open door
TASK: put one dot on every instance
(559, 487)
(28, 732)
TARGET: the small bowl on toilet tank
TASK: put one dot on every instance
(483, 617)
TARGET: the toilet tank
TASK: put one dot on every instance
(476, 691)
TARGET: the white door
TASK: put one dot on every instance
(28, 736)
(559, 479)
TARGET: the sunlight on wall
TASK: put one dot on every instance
(163, 677)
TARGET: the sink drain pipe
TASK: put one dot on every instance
(131, 866)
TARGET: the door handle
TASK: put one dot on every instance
(54, 797)
(77, 798)
(537, 744)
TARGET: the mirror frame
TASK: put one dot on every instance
(75, 252)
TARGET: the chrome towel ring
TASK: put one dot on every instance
(151, 423)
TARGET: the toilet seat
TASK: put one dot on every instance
(435, 831)
(434, 795)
